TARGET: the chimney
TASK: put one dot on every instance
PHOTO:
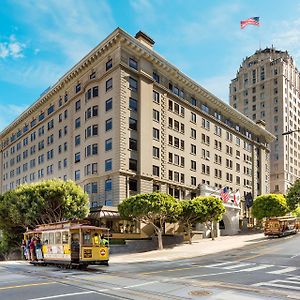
(145, 39)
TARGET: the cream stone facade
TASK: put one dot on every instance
(123, 121)
(267, 88)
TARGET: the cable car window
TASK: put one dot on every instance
(51, 238)
(45, 238)
(87, 238)
(65, 237)
(57, 237)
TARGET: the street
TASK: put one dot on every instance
(267, 270)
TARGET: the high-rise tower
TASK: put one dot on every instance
(266, 88)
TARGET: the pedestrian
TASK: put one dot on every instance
(38, 249)
(103, 241)
(32, 249)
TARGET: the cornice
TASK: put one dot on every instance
(141, 50)
(75, 71)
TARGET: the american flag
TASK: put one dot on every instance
(225, 194)
(250, 21)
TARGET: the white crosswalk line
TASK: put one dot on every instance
(221, 264)
(285, 284)
(237, 266)
(260, 267)
(282, 271)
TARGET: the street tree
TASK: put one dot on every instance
(153, 209)
(293, 195)
(269, 205)
(51, 201)
(193, 211)
(214, 211)
(39, 203)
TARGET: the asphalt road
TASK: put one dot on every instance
(269, 270)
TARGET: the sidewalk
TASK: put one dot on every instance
(198, 248)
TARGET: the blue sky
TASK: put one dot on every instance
(41, 39)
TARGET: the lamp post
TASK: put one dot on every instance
(291, 131)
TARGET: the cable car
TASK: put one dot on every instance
(68, 243)
(281, 226)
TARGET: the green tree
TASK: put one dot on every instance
(152, 208)
(214, 211)
(193, 211)
(50, 201)
(39, 203)
(269, 205)
(296, 212)
(293, 195)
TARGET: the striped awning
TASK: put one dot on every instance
(104, 214)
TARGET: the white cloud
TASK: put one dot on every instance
(9, 112)
(69, 28)
(12, 48)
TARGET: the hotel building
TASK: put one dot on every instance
(123, 121)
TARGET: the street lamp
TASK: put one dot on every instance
(291, 131)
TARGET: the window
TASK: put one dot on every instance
(77, 105)
(155, 76)
(133, 63)
(108, 104)
(132, 164)
(132, 123)
(95, 91)
(108, 144)
(193, 101)
(77, 175)
(77, 157)
(133, 185)
(109, 65)
(155, 152)
(77, 88)
(108, 124)
(133, 144)
(193, 117)
(193, 165)
(51, 109)
(50, 124)
(108, 185)
(41, 116)
(155, 115)
(193, 133)
(77, 123)
(77, 140)
(132, 104)
(155, 97)
(155, 170)
(155, 134)
(193, 149)
(93, 75)
(193, 180)
(133, 85)
(108, 84)
(108, 165)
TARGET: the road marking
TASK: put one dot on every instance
(127, 287)
(214, 274)
(64, 295)
(282, 271)
(260, 267)
(236, 266)
(26, 285)
(172, 270)
(276, 283)
(295, 255)
(221, 264)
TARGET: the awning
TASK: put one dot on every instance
(104, 213)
